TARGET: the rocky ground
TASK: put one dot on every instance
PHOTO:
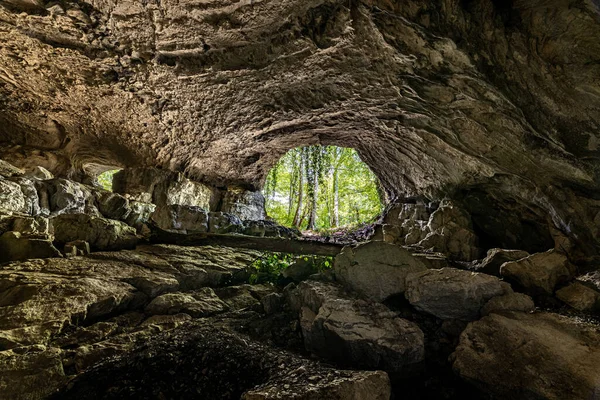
(93, 305)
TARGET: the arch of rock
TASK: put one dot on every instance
(495, 106)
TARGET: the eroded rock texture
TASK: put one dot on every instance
(494, 103)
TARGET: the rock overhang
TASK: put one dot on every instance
(469, 96)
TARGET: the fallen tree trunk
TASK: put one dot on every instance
(279, 245)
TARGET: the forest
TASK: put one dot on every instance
(320, 188)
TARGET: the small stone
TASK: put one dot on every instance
(580, 297)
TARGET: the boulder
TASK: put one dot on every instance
(360, 385)
(244, 204)
(516, 355)
(100, 233)
(376, 269)
(8, 170)
(31, 196)
(68, 197)
(14, 247)
(198, 304)
(113, 205)
(580, 297)
(450, 293)
(540, 272)
(508, 302)
(182, 219)
(12, 198)
(220, 222)
(496, 257)
(356, 332)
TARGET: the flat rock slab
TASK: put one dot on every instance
(450, 293)
(376, 269)
(531, 356)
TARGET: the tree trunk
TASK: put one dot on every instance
(313, 207)
(296, 221)
(336, 199)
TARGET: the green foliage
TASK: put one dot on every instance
(105, 179)
(318, 175)
(270, 265)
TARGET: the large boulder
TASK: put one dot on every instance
(15, 247)
(100, 233)
(376, 269)
(8, 170)
(496, 257)
(356, 332)
(450, 293)
(244, 204)
(540, 272)
(531, 356)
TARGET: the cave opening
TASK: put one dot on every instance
(323, 189)
(105, 179)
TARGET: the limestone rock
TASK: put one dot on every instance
(244, 204)
(32, 375)
(68, 197)
(100, 233)
(14, 247)
(376, 269)
(496, 257)
(220, 222)
(580, 297)
(356, 332)
(540, 272)
(183, 219)
(451, 232)
(450, 293)
(162, 188)
(77, 248)
(153, 286)
(198, 304)
(12, 197)
(363, 385)
(40, 173)
(8, 170)
(508, 302)
(140, 214)
(32, 226)
(113, 205)
(268, 229)
(530, 356)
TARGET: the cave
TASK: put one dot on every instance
(137, 259)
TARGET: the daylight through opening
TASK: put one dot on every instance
(105, 179)
(322, 188)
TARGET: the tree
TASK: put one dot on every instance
(324, 186)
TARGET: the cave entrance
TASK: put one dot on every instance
(323, 189)
(105, 179)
